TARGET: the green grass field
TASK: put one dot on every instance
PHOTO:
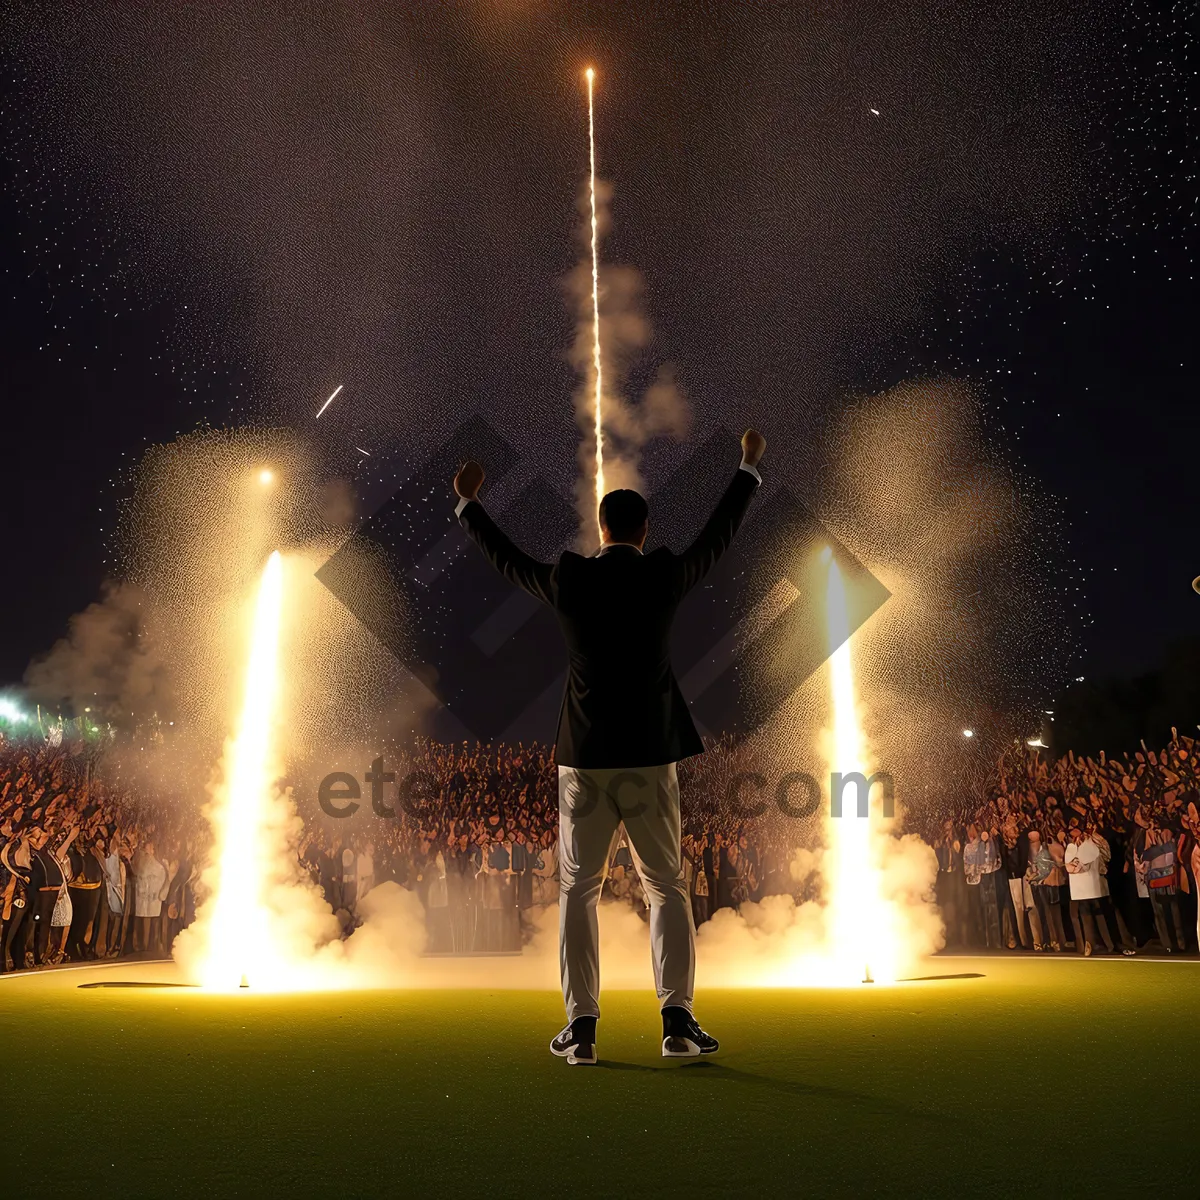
(1054, 1078)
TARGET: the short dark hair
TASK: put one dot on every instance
(623, 513)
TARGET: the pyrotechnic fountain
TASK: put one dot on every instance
(859, 927)
(239, 940)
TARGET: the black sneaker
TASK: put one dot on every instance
(682, 1035)
(577, 1043)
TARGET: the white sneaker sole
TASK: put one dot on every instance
(692, 1051)
(573, 1059)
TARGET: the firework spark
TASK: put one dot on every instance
(328, 402)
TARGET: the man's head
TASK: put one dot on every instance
(624, 518)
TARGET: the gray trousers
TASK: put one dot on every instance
(592, 807)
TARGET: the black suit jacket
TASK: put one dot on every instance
(623, 706)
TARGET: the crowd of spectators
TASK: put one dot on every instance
(87, 870)
(1094, 854)
(477, 839)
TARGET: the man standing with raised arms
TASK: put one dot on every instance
(623, 726)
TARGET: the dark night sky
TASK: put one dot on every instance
(1029, 178)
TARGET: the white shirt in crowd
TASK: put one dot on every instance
(1085, 879)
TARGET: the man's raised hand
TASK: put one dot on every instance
(469, 480)
(754, 446)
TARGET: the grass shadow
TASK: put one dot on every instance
(796, 1088)
(928, 978)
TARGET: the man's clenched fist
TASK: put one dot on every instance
(469, 480)
(754, 445)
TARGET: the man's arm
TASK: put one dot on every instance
(718, 532)
(536, 578)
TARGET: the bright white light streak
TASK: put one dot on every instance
(328, 402)
(596, 359)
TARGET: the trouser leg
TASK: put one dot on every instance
(1106, 922)
(1057, 932)
(1175, 919)
(14, 937)
(1160, 922)
(587, 829)
(1033, 912)
(989, 914)
(19, 939)
(84, 919)
(44, 910)
(648, 802)
(1075, 925)
(1051, 918)
(975, 917)
(1017, 906)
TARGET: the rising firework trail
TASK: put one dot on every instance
(597, 366)
(861, 940)
(240, 939)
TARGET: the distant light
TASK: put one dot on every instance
(873, 111)
(968, 733)
(266, 477)
(1078, 678)
(1036, 742)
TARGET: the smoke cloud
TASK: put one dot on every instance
(109, 663)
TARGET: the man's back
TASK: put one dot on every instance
(622, 706)
(622, 700)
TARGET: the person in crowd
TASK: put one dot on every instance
(728, 872)
(15, 859)
(1043, 875)
(108, 939)
(981, 863)
(150, 880)
(177, 910)
(87, 879)
(1156, 861)
(1014, 853)
(951, 887)
(1082, 861)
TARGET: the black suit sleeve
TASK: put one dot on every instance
(715, 538)
(536, 578)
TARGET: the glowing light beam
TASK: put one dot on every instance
(597, 364)
(240, 938)
(861, 934)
